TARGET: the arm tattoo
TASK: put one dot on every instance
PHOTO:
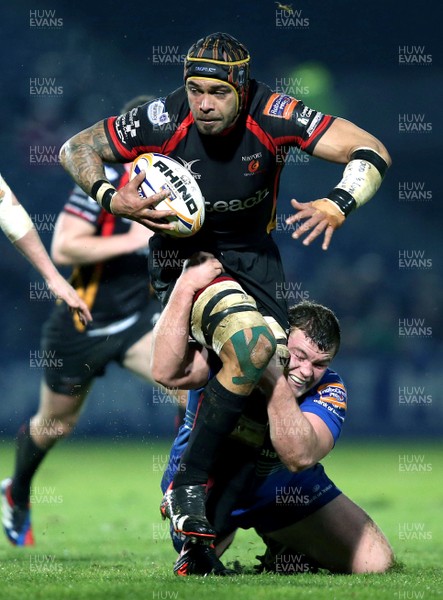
(83, 156)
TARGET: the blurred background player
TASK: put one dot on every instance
(268, 475)
(234, 129)
(16, 224)
(109, 259)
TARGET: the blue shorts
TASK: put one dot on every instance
(271, 503)
(283, 498)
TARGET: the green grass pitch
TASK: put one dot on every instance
(99, 534)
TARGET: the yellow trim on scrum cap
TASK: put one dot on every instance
(220, 81)
(220, 62)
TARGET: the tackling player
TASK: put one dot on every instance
(268, 475)
(235, 132)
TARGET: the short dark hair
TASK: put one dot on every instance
(318, 323)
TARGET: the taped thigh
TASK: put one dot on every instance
(222, 310)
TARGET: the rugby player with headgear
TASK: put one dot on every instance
(234, 131)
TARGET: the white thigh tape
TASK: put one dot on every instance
(231, 323)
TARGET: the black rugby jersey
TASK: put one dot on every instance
(238, 173)
(116, 288)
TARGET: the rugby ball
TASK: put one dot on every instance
(185, 199)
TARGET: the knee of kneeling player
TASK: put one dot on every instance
(378, 559)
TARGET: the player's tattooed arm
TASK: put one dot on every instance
(83, 156)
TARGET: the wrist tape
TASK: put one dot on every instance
(361, 179)
(102, 191)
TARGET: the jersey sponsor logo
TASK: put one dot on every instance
(280, 105)
(250, 157)
(237, 203)
(315, 121)
(303, 118)
(333, 395)
(126, 125)
(156, 112)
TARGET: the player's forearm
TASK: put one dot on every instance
(169, 361)
(292, 435)
(86, 250)
(31, 246)
(83, 156)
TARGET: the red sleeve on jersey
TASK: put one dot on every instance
(308, 144)
(288, 121)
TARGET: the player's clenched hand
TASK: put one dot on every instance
(128, 203)
(200, 270)
(319, 216)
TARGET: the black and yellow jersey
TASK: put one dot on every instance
(113, 289)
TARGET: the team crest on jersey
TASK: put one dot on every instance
(281, 106)
(156, 112)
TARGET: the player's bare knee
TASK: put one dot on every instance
(374, 554)
(51, 429)
(379, 563)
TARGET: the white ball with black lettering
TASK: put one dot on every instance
(185, 199)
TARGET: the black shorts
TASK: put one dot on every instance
(74, 359)
(259, 272)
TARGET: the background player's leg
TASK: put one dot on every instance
(138, 357)
(56, 417)
(138, 360)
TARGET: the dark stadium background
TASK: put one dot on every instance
(347, 58)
